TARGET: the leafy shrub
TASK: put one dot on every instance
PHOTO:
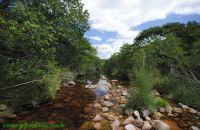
(146, 78)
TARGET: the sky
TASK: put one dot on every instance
(116, 22)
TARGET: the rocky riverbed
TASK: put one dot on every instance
(91, 107)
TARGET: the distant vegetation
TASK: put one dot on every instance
(39, 41)
(170, 52)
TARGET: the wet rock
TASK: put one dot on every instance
(115, 125)
(146, 126)
(129, 120)
(130, 127)
(105, 109)
(159, 125)
(192, 111)
(107, 104)
(168, 109)
(97, 126)
(3, 107)
(194, 128)
(177, 110)
(157, 115)
(145, 113)
(97, 118)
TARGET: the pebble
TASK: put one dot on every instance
(194, 128)
(177, 110)
(105, 109)
(159, 125)
(97, 118)
(146, 126)
(192, 111)
(129, 120)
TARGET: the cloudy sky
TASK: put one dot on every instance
(115, 22)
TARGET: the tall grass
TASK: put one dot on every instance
(145, 78)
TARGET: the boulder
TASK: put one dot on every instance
(129, 120)
(130, 127)
(146, 126)
(159, 125)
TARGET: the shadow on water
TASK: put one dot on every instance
(68, 107)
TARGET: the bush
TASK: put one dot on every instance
(146, 78)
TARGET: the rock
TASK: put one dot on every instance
(106, 97)
(168, 109)
(58, 106)
(137, 115)
(159, 125)
(147, 118)
(130, 127)
(3, 107)
(97, 126)
(183, 106)
(157, 115)
(71, 83)
(146, 126)
(192, 111)
(64, 84)
(129, 120)
(162, 110)
(97, 105)
(109, 116)
(156, 93)
(107, 104)
(177, 110)
(105, 109)
(194, 128)
(114, 82)
(97, 118)
(145, 113)
(87, 126)
(170, 96)
(138, 123)
(124, 93)
(93, 86)
(198, 114)
(120, 87)
(115, 125)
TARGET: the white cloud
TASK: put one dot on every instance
(121, 16)
(96, 38)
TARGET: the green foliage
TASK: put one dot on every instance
(146, 78)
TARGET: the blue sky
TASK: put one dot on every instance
(116, 22)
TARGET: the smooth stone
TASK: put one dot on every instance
(97, 118)
(194, 128)
(97, 105)
(3, 107)
(162, 110)
(124, 93)
(129, 120)
(168, 109)
(146, 126)
(130, 127)
(198, 114)
(192, 111)
(145, 113)
(137, 114)
(159, 125)
(158, 115)
(138, 123)
(147, 118)
(115, 125)
(105, 109)
(107, 104)
(97, 126)
(177, 110)
(106, 97)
